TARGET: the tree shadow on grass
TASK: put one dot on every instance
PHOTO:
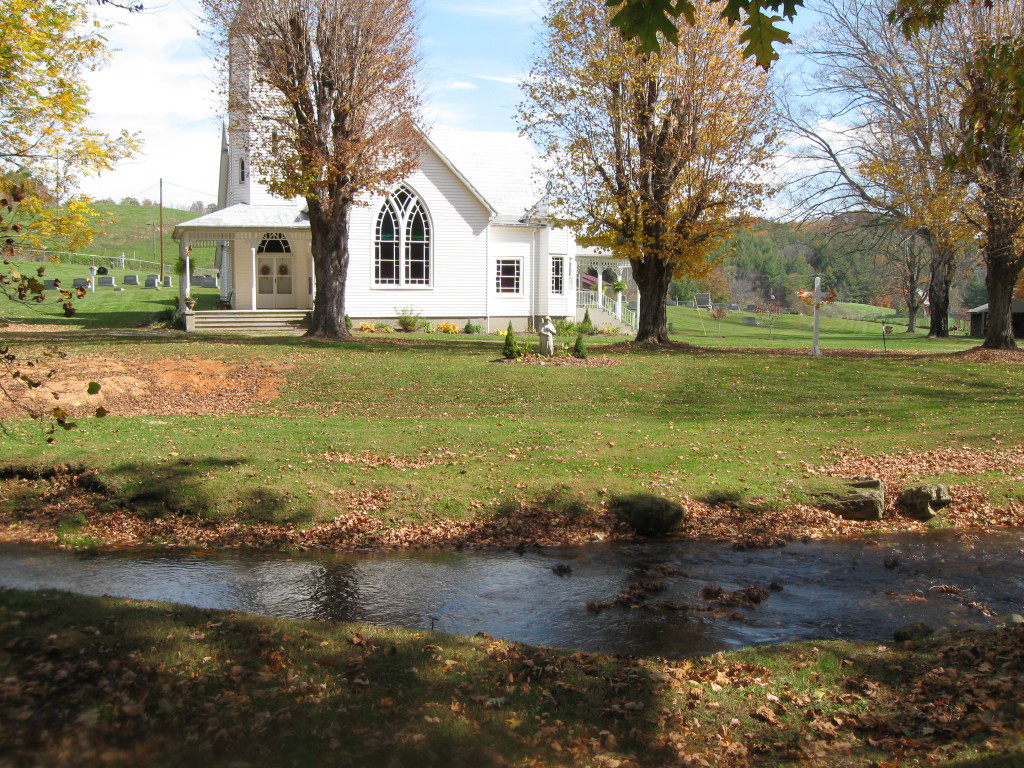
(162, 685)
(183, 487)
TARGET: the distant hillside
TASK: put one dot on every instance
(132, 230)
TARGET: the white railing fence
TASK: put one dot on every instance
(607, 303)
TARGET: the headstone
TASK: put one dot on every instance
(167, 282)
(106, 281)
(101, 271)
(151, 281)
(751, 308)
(49, 285)
(702, 300)
(209, 282)
(734, 307)
(195, 281)
(131, 280)
(691, 304)
(118, 288)
(79, 282)
(750, 321)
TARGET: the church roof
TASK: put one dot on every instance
(241, 215)
(502, 167)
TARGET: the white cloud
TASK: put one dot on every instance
(462, 85)
(528, 11)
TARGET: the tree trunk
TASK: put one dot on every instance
(653, 276)
(912, 318)
(329, 243)
(941, 278)
(999, 333)
(1001, 192)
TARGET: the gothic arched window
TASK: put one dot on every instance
(402, 253)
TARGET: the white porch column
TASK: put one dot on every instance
(184, 252)
(254, 276)
(600, 285)
(312, 277)
(618, 300)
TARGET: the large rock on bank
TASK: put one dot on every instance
(922, 502)
(861, 498)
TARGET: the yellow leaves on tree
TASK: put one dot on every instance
(650, 155)
(45, 146)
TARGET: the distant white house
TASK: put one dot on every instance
(465, 237)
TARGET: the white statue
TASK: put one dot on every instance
(547, 338)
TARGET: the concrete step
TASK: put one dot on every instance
(240, 321)
(600, 317)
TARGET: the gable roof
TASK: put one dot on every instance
(501, 167)
(501, 170)
(1016, 305)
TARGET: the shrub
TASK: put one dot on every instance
(587, 326)
(427, 327)
(566, 327)
(647, 515)
(385, 328)
(365, 327)
(511, 349)
(447, 328)
(579, 349)
(348, 323)
(472, 327)
(408, 319)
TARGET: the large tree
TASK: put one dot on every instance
(884, 120)
(989, 43)
(324, 92)
(650, 155)
(46, 146)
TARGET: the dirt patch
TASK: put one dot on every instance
(140, 388)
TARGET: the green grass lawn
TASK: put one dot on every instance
(797, 330)
(96, 681)
(103, 307)
(441, 427)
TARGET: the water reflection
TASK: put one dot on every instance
(861, 589)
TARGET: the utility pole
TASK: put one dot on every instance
(161, 231)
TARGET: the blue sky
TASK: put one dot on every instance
(161, 84)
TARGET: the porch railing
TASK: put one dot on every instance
(607, 303)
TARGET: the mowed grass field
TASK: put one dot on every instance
(288, 429)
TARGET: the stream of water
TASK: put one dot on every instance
(860, 588)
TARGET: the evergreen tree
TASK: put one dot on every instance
(511, 349)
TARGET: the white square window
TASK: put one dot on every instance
(508, 276)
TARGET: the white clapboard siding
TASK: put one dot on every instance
(458, 221)
(512, 243)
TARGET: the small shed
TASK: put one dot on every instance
(979, 319)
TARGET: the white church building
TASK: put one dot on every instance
(464, 238)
